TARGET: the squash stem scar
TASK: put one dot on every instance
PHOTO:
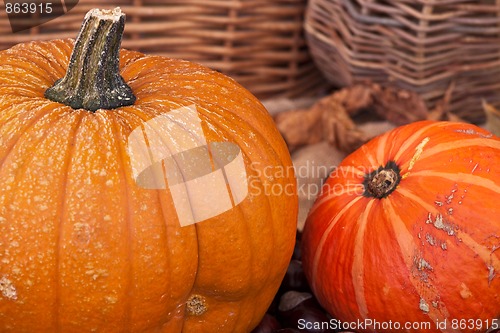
(383, 181)
(196, 305)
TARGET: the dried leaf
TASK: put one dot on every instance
(329, 118)
(326, 120)
(338, 128)
(398, 106)
(442, 109)
(300, 127)
(492, 118)
(440, 112)
(453, 117)
(355, 98)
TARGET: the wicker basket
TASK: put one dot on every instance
(423, 45)
(260, 43)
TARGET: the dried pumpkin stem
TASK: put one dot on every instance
(93, 79)
(382, 182)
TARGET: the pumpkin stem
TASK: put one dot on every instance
(383, 181)
(93, 79)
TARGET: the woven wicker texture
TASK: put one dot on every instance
(260, 43)
(427, 46)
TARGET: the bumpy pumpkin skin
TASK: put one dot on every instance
(427, 251)
(84, 249)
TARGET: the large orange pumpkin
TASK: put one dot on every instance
(407, 231)
(84, 247)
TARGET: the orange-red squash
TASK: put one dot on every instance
(407, 230)
(83, 247)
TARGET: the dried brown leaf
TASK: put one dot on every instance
(326, 120)
(442, 109)
(330, 119)
(338, 128)
(300, 127)
(355, 98)
(492, 118)
(398, 106)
